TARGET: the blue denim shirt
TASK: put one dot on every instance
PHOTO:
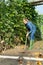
(31, 26)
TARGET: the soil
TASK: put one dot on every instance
(38, 45)
(19, 50)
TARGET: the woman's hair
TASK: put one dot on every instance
(26, 18)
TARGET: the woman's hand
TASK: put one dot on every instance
(27, 34)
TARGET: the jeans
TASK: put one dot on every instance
(32, 35)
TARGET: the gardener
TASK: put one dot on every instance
(31, 31)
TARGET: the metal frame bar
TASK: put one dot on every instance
(32, 58)
(18, 57)
(35, 3)
(9, 57)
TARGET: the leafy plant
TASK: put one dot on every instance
(11, 19)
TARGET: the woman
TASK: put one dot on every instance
(31, 31)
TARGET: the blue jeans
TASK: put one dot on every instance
(32, 35)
